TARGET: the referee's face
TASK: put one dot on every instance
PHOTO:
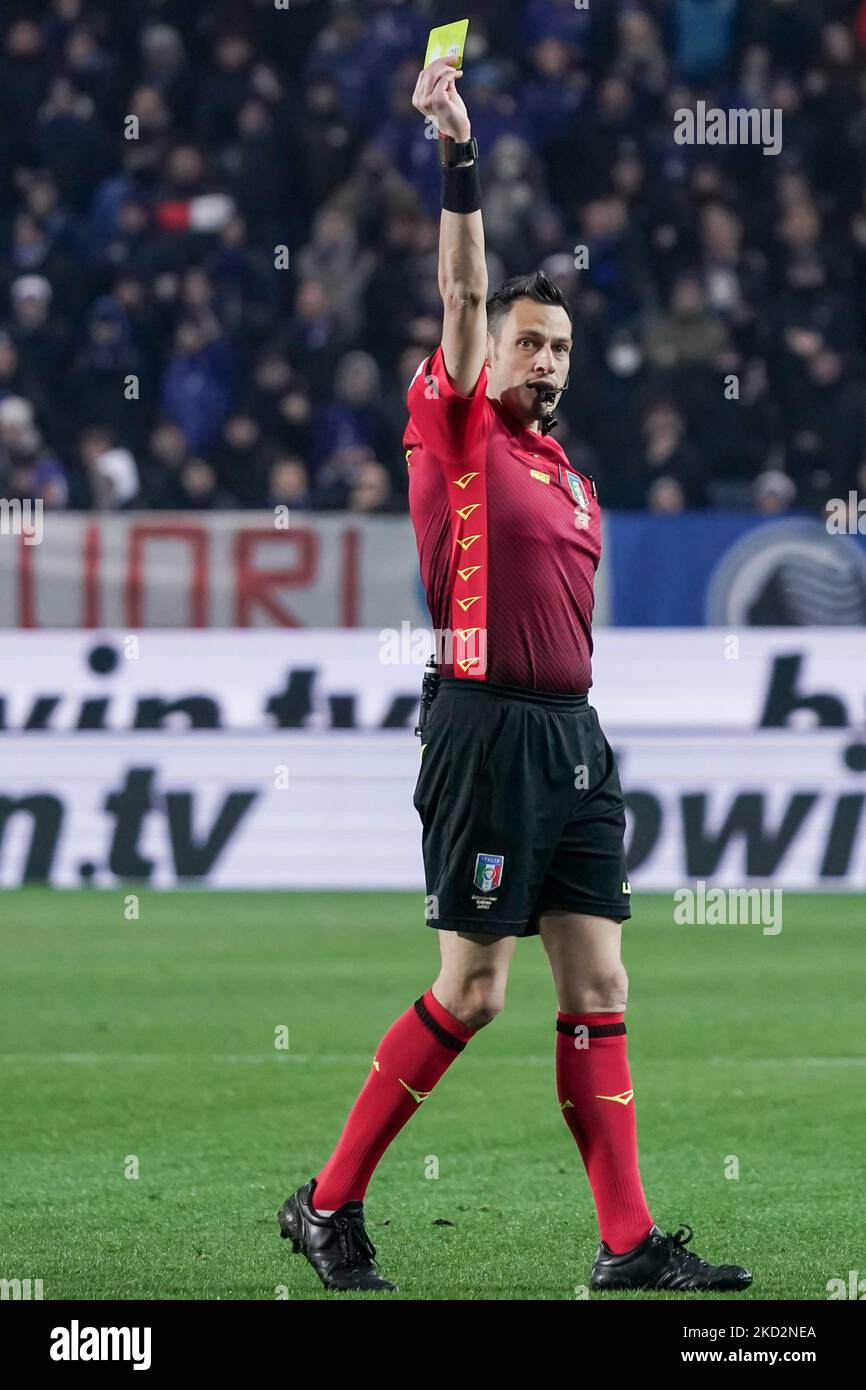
(531, 349)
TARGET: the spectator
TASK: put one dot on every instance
(773, 492)
(337, 477)
(28, 469)
(334, 258)
(356, 416)
(256, 171)
(71, 143)
(513, 187)
(289, 484)
(197, 388)
(665, 452)
(24, 70)
(665, 496)
(111, 470)
(689, 334)
(167, 454)
(703, 38)
(241, 460)
(41, 339)
(315, 334)
(324, 126)
(640, 59)
(105, 367)
(827, 427)
(229, 85)
(199, 488)
(15, 380)
(371, 488)
(555, 92)
(164, 67)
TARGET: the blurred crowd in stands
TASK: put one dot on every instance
(219, 232)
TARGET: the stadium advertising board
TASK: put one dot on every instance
(287, 760)
(260, 570)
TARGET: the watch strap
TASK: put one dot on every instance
(453, 152)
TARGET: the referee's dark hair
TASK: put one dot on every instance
(535, 286)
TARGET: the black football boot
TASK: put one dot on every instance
(338, 1247)
(661, 1261)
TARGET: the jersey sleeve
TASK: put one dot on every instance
(446, 423)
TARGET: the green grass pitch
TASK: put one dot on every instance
(151, 1042)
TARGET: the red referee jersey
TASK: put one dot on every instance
(509, 538)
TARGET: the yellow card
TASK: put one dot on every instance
(447, 42)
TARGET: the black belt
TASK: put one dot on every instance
(552, 698)
(472, 689)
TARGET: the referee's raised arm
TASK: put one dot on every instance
(462, 267)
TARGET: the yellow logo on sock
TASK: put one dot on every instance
(416, 1095)
(624, 1097)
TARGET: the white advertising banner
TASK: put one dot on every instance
(285, 760)
(334, 810)
(670, 679)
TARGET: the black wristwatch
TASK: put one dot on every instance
(453, 152)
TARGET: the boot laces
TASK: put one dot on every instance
(677, 1242)
(357, 1245)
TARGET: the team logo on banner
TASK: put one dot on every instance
(578, 491)
(488, 871)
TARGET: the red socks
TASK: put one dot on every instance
(595, 1094)
(597, 1102)
(416, 1051)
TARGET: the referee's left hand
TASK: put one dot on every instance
(436, 97)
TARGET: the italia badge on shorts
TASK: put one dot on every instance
(578, 491)
(488, 871)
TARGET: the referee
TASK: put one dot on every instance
(518, 793)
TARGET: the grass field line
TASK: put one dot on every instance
(303, 1058)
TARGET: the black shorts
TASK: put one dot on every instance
(522, 810)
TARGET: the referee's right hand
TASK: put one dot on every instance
(436, 97)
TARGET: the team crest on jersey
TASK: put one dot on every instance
(488, 871)
(578, 491)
